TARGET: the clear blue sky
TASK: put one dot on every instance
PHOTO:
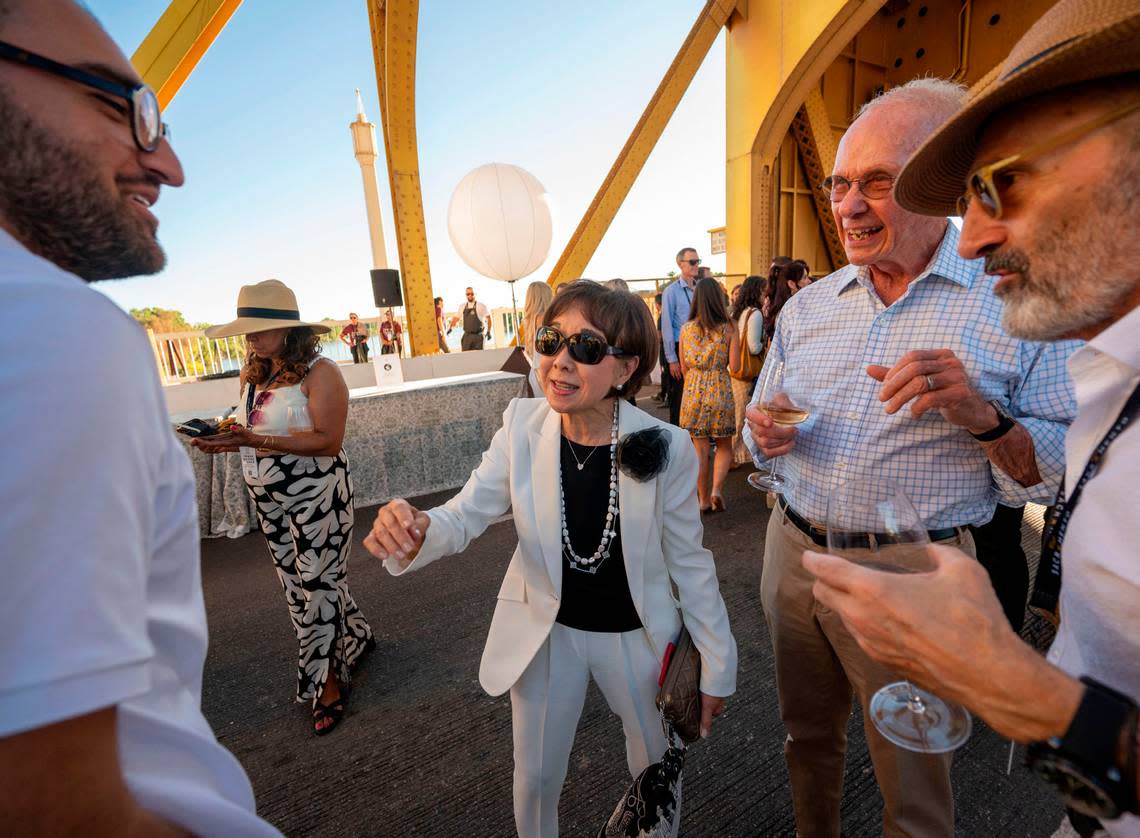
(272, 188)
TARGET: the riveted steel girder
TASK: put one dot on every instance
(394, 25)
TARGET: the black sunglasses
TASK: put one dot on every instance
(142, 103)
(584, 347)
(693, 262)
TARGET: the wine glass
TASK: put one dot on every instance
(298, 420)
(873, 523)
(785, 396)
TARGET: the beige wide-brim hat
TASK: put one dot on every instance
(1075, 41)
(263, 306)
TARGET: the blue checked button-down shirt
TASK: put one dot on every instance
(833, 329)
(676, 301)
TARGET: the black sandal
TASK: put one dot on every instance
(333, 711)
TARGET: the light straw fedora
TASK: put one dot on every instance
(263, 306)
(1075, 41)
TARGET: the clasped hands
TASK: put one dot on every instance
(927, 379)
(398, 533)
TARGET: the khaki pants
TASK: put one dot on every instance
(818, 667)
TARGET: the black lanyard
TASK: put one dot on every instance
(1047, 589)
(250, 406)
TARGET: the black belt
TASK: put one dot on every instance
(853, 540)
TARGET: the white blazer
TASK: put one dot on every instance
(661, 536)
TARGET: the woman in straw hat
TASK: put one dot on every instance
(294, 407)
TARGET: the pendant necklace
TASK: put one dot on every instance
(580, 463)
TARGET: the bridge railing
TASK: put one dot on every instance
(190, 355)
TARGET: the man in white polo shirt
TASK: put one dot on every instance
(103, 624)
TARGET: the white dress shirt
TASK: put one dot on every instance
(1100, 582)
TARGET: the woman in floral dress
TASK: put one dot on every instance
(709, 345)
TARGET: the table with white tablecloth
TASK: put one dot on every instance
(421, 437)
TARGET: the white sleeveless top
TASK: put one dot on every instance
(271, 408)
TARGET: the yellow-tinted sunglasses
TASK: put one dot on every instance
(980, 183)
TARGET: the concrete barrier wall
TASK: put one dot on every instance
(202, 397)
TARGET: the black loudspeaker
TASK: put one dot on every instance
(386, 288)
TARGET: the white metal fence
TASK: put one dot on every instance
(190, 356)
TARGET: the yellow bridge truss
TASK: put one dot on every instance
(796, 72)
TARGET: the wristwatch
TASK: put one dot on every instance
(1005, 422)
(1093, 766)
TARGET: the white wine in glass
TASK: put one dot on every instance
(873, 523)
(785, 397)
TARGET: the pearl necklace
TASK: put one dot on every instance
(591, 563)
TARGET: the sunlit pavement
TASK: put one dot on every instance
(423, 750)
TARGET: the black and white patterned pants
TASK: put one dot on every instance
(304, 506)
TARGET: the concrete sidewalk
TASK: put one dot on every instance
(423, 751)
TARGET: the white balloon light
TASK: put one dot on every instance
(499, 221)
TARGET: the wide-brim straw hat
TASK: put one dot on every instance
(263, 306)
(1075, 41)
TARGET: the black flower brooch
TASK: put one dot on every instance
(643, 454)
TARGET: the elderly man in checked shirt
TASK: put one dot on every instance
(912, 380)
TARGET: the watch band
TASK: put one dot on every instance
(1005, 423)
(1091, 750)
(1093, 737)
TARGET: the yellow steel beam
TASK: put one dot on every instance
(775, 57)
(816, 143)
(637, 148)
(177, 42)
(394, 25)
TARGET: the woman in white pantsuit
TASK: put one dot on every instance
(604, 528)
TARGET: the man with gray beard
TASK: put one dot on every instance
(101, 731)
(1048, 153)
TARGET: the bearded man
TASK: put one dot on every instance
(101, 731)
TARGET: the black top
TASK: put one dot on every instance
(597, 601)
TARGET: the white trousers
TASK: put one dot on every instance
(546, 703)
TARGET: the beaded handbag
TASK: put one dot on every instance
(679, 687)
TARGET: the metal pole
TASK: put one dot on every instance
(514, 313)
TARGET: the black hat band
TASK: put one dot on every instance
(269, 313)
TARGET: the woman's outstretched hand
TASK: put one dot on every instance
(711, 707)
(397, 532)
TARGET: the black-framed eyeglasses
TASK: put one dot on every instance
(584, 347)
(142, 103)
(874, 186)
(693, 262)
(982, 184)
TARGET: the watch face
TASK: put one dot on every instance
(1079, 791)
